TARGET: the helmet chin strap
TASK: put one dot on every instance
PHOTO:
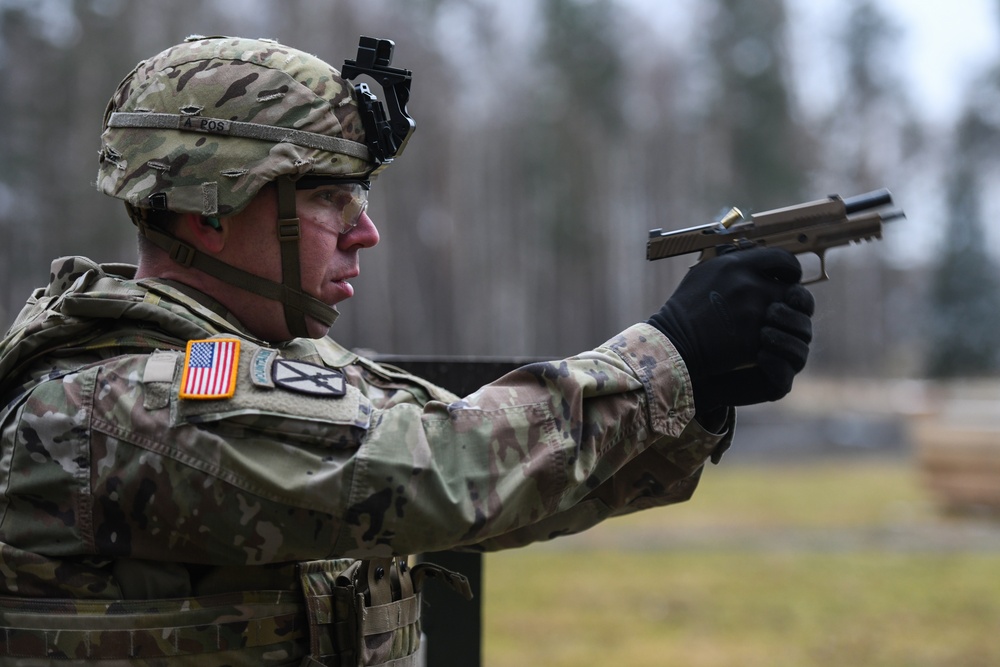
(288, 236)
(297, 304)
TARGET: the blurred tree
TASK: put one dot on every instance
(871, 124)
(53, 78)
(964, 303)
(964, 294)
(865, 134)
(765, 154)
(570, 138)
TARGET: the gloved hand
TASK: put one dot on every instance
(741, 322)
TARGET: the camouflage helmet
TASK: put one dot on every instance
(204, 125)
(201, 127)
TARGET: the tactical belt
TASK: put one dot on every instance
(348, 614)
(133, 632)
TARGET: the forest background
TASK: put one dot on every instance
(551, 136)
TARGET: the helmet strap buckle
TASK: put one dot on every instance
(182, 253)
(288, 230)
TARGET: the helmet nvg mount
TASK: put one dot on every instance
(385, 137)
(204, 125)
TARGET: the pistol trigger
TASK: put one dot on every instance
(725, 249)
(733, 246)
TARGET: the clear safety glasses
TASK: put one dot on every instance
(348, 197)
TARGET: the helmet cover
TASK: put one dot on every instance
(204, 125)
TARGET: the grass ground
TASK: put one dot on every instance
(819, 565)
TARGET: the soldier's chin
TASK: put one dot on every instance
(317, 329)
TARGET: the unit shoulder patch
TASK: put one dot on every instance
(307, 378)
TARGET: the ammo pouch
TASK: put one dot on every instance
(368, 614)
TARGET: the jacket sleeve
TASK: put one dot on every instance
(110, 460)
(549, 449)
(666, 473)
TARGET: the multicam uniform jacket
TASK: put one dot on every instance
(117, 490)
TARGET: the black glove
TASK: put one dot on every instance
(741, 322)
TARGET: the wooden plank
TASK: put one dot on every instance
(960, 464)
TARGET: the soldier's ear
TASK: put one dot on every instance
(206, 233)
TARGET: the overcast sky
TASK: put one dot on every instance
(945, 44)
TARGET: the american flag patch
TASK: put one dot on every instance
(210, 368)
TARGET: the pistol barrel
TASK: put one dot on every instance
(868, 200)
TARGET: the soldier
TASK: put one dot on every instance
(193, 473)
